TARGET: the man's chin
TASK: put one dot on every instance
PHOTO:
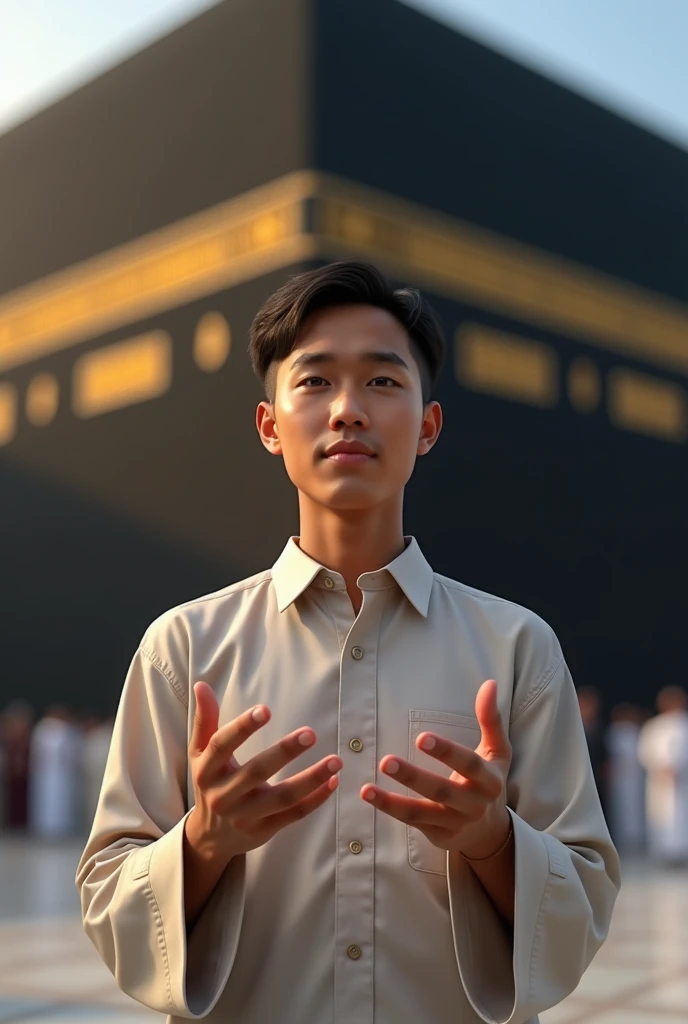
(346, 496)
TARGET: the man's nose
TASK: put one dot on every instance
(347, 409)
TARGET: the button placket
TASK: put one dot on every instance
(356, 824)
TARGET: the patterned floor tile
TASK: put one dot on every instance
(51, 974)
(21, 1009)
(564, 1013)
(635, 1017)
(602, 982)
(671, 996)
(58, 980)
(85, 1014)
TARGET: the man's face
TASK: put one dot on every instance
(351, 377)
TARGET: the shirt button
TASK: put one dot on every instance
(355, 846)
(354, 952)
(357, 653)
(356, 744)
(329, 583)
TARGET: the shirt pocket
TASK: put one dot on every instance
(463, 729)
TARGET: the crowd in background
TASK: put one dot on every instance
(51, 771)
(640, 763)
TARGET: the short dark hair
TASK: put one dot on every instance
(275, 329)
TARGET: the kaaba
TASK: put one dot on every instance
(145, 218)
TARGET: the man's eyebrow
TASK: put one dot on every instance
(317, 358)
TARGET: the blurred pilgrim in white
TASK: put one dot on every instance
(55, 770)
(97, 736)
(663, 753)
(625, 778)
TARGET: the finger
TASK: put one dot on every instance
(413, 811)
(284, 795)
(223, 742)
(266, 764)
(206, 717)
(494, 738)
(274, 822)
(462, 760)
(460, 796)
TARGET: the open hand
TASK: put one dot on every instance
(467, 811)
(236, 808)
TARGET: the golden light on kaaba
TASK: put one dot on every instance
(122, 374)
(647, 405)
(212, 342)
(42, 399)
(8, 412)
(506, 365)
(584, 385)
(357, 227)
(267, 229)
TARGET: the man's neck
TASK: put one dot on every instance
(351, 543)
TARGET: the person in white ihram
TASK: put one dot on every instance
(625, 779)
(663, 752)
(54, 775)
(97, 736)
(440, 853)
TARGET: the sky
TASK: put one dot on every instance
(629, 55)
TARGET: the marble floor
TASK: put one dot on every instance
(50, 973)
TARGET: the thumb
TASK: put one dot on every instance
(206, 718)
(493, 736)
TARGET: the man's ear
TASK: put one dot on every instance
(430, 428)
(266, 425)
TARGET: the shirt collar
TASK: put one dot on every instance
(294, 571)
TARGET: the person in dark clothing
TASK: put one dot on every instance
(16, 738)
(590, 704)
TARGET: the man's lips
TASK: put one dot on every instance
(349, 446)
(349, 457)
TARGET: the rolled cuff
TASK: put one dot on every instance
(196, 966)
(496, 969)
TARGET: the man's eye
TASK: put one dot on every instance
(317, 381)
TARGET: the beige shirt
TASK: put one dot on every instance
(348, 916)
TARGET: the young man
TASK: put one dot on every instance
(348, 789)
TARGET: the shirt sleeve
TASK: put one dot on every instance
(567, 872)
(130, 875)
